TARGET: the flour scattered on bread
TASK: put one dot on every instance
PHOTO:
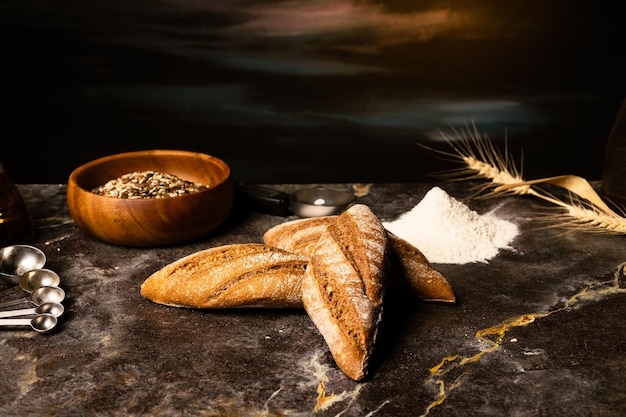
(337, 268)
(343, 287)
(410, 270)
(447, 231)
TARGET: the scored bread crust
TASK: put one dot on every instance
(298, 236)
(416, 273)
(236, 275)
(343, 287)
(410, 268)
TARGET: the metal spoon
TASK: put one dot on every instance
(33, 279)
(42, 323)
(37, 278)
(39, 296)
(56, 309)
(15, 260)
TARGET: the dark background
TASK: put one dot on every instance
(311, 91)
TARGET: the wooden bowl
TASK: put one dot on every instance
(151, 222)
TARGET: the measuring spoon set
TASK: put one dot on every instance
(22, 267)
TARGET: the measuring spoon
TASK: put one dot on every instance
(34, 279)
(15, 260)
(56, 309)
(37, 278)
(42, 323)
(39, 296)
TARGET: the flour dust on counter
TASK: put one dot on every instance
(447, 231)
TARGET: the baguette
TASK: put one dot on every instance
(416, 274)
(343, 287)
(236, 275)
(410, 269)
(298, 236)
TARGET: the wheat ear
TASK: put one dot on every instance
(482, 160)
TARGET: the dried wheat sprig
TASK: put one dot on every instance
(482, 160)
(587, 218)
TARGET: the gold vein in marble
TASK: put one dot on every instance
(27, 382)
(325, 400)
(492, 337)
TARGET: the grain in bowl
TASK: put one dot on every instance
(147, 184)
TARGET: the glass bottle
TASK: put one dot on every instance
(16, 225)
(614, 175)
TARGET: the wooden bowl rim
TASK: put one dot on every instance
(84, 168)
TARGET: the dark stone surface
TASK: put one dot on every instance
(517, 342)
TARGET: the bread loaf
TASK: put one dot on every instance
(236, 275)
(298, 236)
(410, 269)
(343, 287)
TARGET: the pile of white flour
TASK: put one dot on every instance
(447, 231)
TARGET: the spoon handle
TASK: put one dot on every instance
(15, 322)
(14, 302)
(20, 312)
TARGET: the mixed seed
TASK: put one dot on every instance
(147, 184)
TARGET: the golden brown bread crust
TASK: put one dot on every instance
(236, 275)
(343, 287)
(298, 236)
(415, 273)
(410, 269)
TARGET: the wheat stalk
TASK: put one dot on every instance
(480, 159)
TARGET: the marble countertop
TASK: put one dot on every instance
(536, 331)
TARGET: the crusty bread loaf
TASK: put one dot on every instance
(410, 269)
(343, 287)
(236, 275)
(298, 236)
